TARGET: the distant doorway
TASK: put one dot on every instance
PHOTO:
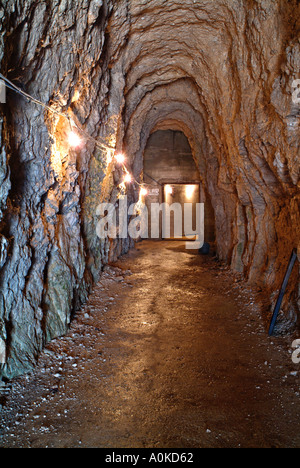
(169, 164)
(180, 194)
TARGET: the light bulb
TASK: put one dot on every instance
(190, 190)
(169, 190)
(74, 140)
(128, 178)
(144, 192)
(120, 158)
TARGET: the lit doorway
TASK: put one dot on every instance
(175, 225)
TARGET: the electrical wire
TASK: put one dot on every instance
(158, 183)
(72, 124)
(27, 96)
(19, 91)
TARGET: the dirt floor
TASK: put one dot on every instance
(170, 352)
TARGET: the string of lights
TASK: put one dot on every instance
(75, 140)
(52, 110)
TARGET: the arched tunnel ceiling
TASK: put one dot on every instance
(221, 71)
(192, 40)
(210, 69)
(178, 101)
(208, 44)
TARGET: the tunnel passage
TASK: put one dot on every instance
(221, 72)
(172, 176)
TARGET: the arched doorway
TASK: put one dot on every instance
(172, 177)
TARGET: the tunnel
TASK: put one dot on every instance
(172, 176)
(108, 104)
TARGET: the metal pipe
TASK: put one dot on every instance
(282, 291)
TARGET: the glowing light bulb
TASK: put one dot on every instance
(190, 190)
(144, 192)
(74, 140)
(169, 190)
(127, 179)
(120, 158)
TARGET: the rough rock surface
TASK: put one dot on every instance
(220, 71)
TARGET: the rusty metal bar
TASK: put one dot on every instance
(282, 291)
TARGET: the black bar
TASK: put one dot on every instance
(282, 291)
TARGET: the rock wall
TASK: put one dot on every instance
(56, 52)
(220, 71)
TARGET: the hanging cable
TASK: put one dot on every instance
(27, 96)
(120, 160)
